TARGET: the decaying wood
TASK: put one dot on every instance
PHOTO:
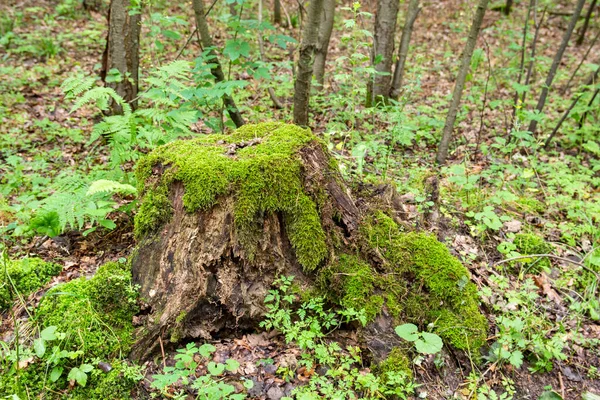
(198, 281)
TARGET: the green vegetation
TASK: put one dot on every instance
(526, 244)
(22, 277)
(82, 323)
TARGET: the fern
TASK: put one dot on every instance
(110, 187)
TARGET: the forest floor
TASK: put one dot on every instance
(491, 191)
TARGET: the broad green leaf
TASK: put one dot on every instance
(55, 373)
(49, 333)
(232, 365)
(430, 343)
(550, 395)
(78, 376)
(408, 332)
(590, 396)
(39, 347)
(215, 369)
(206, 350)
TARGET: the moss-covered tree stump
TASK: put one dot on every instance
(222, 216)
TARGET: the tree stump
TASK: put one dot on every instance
(222, 216)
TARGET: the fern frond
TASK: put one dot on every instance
(108, 186)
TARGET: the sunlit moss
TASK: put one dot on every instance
(21, 277)
(258, 165)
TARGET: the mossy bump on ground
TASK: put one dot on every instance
(95, 313)
(96, 317)
(420, 281)
(263, 174)
(27, 275)
(396, 362)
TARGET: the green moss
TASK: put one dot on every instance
(440, 288)
(112, 385)
(27, 275)
(397, 361)
(528, 243)
(263, 177)
(96, 314)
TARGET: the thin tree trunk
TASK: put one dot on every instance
(508, 7)
(378, 88)
(308, 46)
(586, 23)
(590, 81)
(568, 85)
(277, 12)
(261, 51)
(532, 4)
(538, 25)
(122, 52)
(556, 62)
(216, 71)
(411, 17)
(582, 120)
(327, 18)
(442, 153)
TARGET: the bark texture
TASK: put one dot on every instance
(556, 61)
(325, 29)
(378, 88)
(465, 66)
(122, 52)
(217, 70)
(276, 12)
(304, 70)
(411, 17)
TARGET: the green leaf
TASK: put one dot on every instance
(408, 332)
(232, 365)
(516, 359)
(49, 333)
(39, 347)
(78, 376)
(550, 395)
(206, 350)
(55, 373)
(237, 48)
(215, 369)
(430, 343)
(590, 396)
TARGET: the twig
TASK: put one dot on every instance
(549, 256)
(162, 351)
(568, 85)
(562, 385)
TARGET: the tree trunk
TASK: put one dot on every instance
(532, 5)
(557, 58)
(586, 23)
(508, 7)
(122, 52)
(304, 70)
(91, 5)
(378, 88)
(221, 219)
(277, 12)
(327, 19)
(465, 65)
(590, 81)
(217, 70)
(411, 17)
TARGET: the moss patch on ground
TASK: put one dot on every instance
(27, 275)
(258, 165)
(93, 320)
(95, 314)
